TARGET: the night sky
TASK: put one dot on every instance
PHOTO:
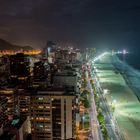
(84, 23)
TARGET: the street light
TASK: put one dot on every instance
(105, 91)
(83, 120)
(114, 101)
(124, 53)
(114, 104)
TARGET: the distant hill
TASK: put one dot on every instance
(5, 45)
(26, 48)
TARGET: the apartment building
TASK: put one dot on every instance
(53, 114)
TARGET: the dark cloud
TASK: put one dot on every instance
(84, 22)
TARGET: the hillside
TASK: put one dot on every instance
(5, 45)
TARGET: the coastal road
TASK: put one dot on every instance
(111, 124)
(95, 130)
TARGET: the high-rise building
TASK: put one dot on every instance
(16, 129)
(12, 101)
(49, 51)
(66, 55)
(62, 55)
(3, 116)
(53, 114)
(24, 105)
(20, 69)
(40, 70)
(68, 78)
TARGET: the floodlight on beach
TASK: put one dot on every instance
(114, 101)
(105, 91)
(124, 51)
(100, 56)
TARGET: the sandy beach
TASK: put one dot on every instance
(122, 95)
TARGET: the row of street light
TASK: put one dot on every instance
(105, 91)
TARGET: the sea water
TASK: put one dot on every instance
(129, 67)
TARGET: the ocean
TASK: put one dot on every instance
(132, 59)
(130, 70)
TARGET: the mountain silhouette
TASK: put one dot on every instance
(5, 45)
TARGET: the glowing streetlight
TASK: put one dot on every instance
(100, 56)
(124, 51)
(83, 120)
(114, 101)
(105, 91)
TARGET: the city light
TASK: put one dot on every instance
(106, 91)
(114, 101)
(100, 56)
(124, 51)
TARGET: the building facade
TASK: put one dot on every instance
(53, 115)
(20, 70)
(12, 101)
(3, 112)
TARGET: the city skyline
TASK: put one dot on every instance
(69, 70)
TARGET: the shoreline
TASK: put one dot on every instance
(120, 95)
(130, 75)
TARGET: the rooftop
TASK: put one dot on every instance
(58, 91)
(16, 123)
(7, 136)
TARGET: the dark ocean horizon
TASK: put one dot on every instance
(132, 59)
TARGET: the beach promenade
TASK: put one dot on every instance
(121, 99)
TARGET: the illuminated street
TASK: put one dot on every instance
(94, 122)
(93, 113)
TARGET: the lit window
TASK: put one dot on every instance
(40, 98)
(41, 107)
(41, 126)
